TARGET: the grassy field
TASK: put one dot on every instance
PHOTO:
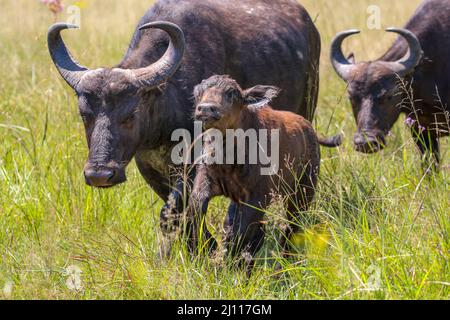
(384, 227)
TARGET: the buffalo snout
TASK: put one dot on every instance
(369, 143)
(207, 112)
(103, 177)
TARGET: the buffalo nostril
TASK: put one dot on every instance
(111, 174)
(369, 144)
(359, 140)
(99, 178)
(211, 107)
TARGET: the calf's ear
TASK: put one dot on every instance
(260, 96)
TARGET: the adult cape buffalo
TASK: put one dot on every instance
(132, 109)
(412, 77)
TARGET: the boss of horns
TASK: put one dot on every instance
(402, 66)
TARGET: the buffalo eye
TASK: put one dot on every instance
(128, 121)
(389, 98)
(229, 95)
(87, 117)
(383, 99)
(354, 100)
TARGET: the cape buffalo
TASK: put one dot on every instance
(222, 105)
(132, 109)
(412, 77)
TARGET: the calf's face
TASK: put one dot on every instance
(218, 105)
(219, 101)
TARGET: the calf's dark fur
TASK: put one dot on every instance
(221, 104)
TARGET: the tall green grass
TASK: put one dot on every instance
(380, 231)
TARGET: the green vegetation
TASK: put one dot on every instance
(384, 226)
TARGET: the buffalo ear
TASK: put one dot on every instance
(260, 96)
(351, 58)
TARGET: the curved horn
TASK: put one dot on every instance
(406, 65)
(160, 71)
(70, 70)
(339, 61)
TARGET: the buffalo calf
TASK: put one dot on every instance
(222, 105)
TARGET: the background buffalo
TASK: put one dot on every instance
(412, 77)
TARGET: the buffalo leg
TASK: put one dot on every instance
(158, 182)
(199, 237)
(296, 206)
(247, 235)
(229, 221)
(171, 212)
(294, 215)
(176, 201)
(173, 197)
(196, 230)
(291, 229)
